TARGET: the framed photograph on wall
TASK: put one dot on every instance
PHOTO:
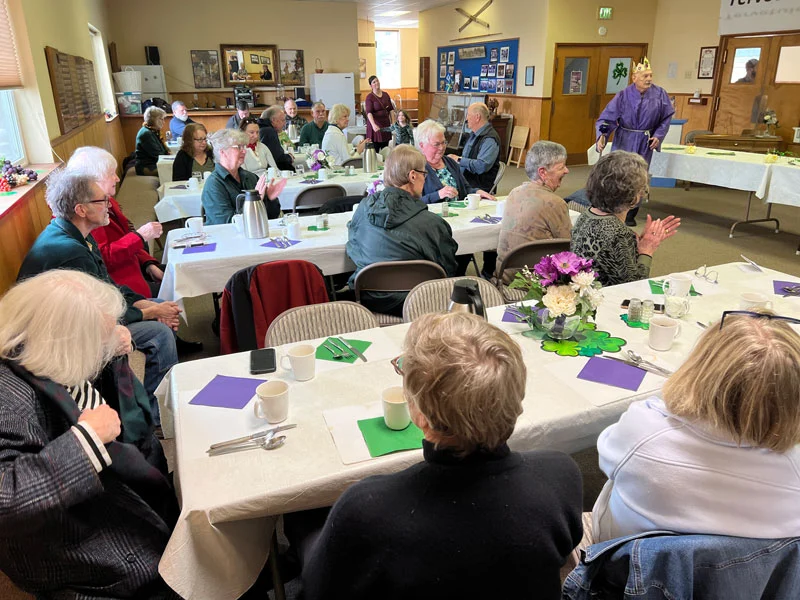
(491, 86)
(245, 64)
(292, 67)
(265, 60)
(484, 85)
(708, 62)
(451, 70)
(493, 55)
(467, 82)
(501, 86)
(443, 58)
(442, 71)
(509, 86)
(529, 75)
(484, 70)
(255, 59)
(492, 71)
(510, 71)
(504, 52)
(451, 57)
(475, 82)
(205, 68)
(501, 71)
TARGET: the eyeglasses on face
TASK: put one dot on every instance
(105, 200)
(238, 147)
(397, 363)
(756, 315)
(704, 273)
(200, 139)
(441, 144)
(423, 173)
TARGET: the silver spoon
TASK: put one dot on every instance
(638, 359)
(335, 354)
(274, 443)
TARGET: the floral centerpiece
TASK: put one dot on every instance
(375, 186)
(318, 160)
(566, 291)
(284, 139)
(771, 121)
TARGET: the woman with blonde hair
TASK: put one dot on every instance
(257, 158)
(195, 154)
(149, 142)
(718, 453)
(474, 519)
(334, 142)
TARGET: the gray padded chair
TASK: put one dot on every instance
(358, 163)
(527, 255)
(317, 195)
(434, 296)
(318, 320)
(689, 137)
(498, 177)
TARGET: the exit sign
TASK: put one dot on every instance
(604, 13)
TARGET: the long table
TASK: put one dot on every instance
(166, 161)
(230, 503)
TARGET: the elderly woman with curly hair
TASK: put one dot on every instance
(229, 180)
(195, 154)
(474, 519)
(334, 142)
(149, 143)
(617, 183)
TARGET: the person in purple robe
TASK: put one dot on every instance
(639, 117)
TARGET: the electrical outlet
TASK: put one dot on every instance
(194, 96)
(688, 74)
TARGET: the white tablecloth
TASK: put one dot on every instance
(165, 163)
(784, 183)
(230, 503)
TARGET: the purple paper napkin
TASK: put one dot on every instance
(311, 181)
(200, 249)
(779, 285)
(611, 372)
(227, 392)
(272, 244)
(510, 316)
(494, 220)
(178, 187)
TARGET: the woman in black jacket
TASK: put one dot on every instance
(195, 153)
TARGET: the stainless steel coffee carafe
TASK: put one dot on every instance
(256, 223)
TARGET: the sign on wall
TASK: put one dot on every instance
(758, 16)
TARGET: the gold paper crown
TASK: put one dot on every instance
(642, 66)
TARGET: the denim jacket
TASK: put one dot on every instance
(661, 565)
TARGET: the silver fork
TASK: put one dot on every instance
(335, 353)
(345, 352)
(286, 241)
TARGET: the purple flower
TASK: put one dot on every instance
(316, 167)
(585, 265)
(567, 263)
(316, 153)
(546, 270)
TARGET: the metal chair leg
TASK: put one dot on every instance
(277, 580)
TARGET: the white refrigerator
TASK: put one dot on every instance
(335, 88)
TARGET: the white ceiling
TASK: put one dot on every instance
(374, 10)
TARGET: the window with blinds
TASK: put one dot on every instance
(10, 75)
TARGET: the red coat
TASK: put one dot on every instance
(123, 251)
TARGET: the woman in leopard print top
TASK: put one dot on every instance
(616, 184)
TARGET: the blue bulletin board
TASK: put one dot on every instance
(492, 66)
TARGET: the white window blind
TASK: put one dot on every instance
(10, 76)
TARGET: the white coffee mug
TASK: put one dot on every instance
(193, 184)
(294, 231)
(272, 401)
(195, 224)
(395, 408)
(473, 201)
(678, 285)
(500, 209)
(206, 174)
(238, 223)
(322, 174)
(663, 332)
(287, 174)
(676, 306)
(302, 361)
(754, 300)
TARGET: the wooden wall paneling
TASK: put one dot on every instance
(698, 116)
(783, 98)
(96, 133)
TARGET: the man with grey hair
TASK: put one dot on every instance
(271, 123)
(313, 132)
(292, 118)
(80, 206)
(480, 159)
(533, 211)
(180, 119)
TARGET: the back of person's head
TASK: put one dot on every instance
(242, 105)
(617, 181)
(337, 111)
(744, 379)
(403, 159)
(466, 377)
(189, 133)
(153, 114)
(66, 189)
(543, 154)
(59, 325)
(95, 162)
(271, 112)
(480, 109)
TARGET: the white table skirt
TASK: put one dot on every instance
(230, 503)
(165, 163)
(784, 184)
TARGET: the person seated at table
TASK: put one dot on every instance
(334, 142)
(314, 132)
(533, 211)
(242, 112)
(616, 184)
(393, 224)
(272, 121)
(445, 180)
(402, 130)
(229, 180)
(149, 143)
(194, 155)
(717, 453)
(81, 514)
(292, 118)
(180, 119)
(474, 519)
(257, 158)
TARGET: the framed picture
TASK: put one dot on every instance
(504, 52)
(484, 70)
(443, 58)
(475, 82)
(459, 78)
(442, 71)
(245, 64)
(501, 86)
(510, 71)
(205, 68)
(451, 70)
(529, 75)
(493, 55)
(708, 62)
(492, 71)
(471, 52)
(491, 86)
(501, 71)
(292, 67)
(509, 86)
(484, 85)
(451, 57)
(441, 85)
(362, 68)
(467, 82)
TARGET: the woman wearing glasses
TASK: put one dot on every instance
(445, 180)
(195, 154)
(229, 180)
(718, 452)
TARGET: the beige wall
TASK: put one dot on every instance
(325, 30)
(409, 60)
(366, 35)
(678, 39)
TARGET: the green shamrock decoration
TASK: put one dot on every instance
(620, 71)
(562, 347)
(635, 324)
(588, 342)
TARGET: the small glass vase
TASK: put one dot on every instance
(557, 328)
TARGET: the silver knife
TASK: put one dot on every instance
(655, 370)
(251, 437)
(352, 349)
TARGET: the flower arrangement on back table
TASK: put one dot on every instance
(318, 160)
(375, 186)
(566, 291)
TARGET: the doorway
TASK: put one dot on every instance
(585, 78)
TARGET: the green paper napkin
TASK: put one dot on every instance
(722, 153)
(657, 287)
(671, 148)
(325, 354)
(457, 204)
(315, 228)
(381, 440)
(635, 324)
(375, 176)
(451, 214)
(7, 193)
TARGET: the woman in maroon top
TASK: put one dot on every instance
(380, 114)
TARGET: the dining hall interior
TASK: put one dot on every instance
(720, 195)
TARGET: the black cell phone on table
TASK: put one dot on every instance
(659, 308)
(262, 361)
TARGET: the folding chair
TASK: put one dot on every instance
(434, 296)
(527, 255)
(519, 141)
(317, 195)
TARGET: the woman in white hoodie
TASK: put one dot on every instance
(334, 144)
(258, 158)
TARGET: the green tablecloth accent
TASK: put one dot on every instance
(657, 287)
(635, 324)
(325, 354)
(381, 440)
(587, 342)
(315, 228)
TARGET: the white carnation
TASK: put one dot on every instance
(595, 296)
(560, 300)
(582, 281)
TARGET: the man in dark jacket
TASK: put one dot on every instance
(272, 122)
(394, 224)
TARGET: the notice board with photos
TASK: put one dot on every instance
(485, 67)
(74, 89)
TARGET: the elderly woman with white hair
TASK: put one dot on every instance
(334, 142)
(229, 180)
(444, 181)
(473, 519)
(149, 143)
(533, 211)
(75, 503)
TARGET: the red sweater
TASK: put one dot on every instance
(123, 251)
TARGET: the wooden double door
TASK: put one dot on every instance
(585, 79)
